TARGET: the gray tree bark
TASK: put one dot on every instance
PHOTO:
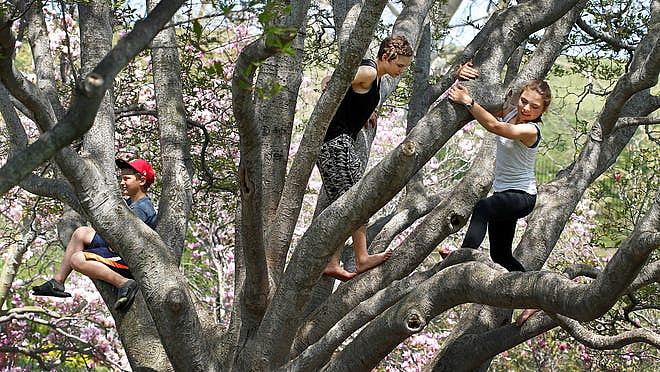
(165, 329)
(276, 114)
(80, 116)
(176, 163)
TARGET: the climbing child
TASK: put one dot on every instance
(514, 185)
(88, 253)
(338, 161)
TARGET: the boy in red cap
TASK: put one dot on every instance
(89, 254)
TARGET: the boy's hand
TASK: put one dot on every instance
(372, 122)
(467, 71)
(460, 94)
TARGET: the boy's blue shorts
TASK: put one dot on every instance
(98, 250)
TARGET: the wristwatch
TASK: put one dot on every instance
(468, 106)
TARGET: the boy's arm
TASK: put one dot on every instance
(144, 210)
(141, 214)
(363, 79)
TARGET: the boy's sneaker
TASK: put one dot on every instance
(126, 295)
(50, 288)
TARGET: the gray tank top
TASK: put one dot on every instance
(514, 162)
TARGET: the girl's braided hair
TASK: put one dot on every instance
(393, 46)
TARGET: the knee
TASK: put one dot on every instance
(480, 208)
(77, 259)
(83, 234)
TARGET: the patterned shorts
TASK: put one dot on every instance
(340, 166)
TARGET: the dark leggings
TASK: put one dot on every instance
(499, 212)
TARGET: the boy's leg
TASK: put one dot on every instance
(363, 260)
(94, 263)
(96, 270)
(335, 270)
(81, 236)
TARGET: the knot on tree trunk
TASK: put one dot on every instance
(175, 300)
(408, 148)
(414, 321)
(93, 82)
(455, 221)
(244, 181)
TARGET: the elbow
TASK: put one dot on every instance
(492, 126)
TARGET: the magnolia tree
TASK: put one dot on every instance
(206, 93)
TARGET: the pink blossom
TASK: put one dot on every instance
(469, 127)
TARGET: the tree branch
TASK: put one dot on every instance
(643, 74)
(176, 164)
(446, 218)
(511, 27)
(20, 87)
(276, 115)
(648, 275)
(634, 122)
(600, 342)
(81, 115)
(477, 282)
(18, 140)
(44, 69)
(316, 355)
(283, 225)
(313, 255)
(555, 203)
(549, 48)
(255, 288)
(604, 36)
(14, 254)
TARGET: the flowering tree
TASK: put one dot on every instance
(280, 313)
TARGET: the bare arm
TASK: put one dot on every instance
(364, 78)
(525, 133)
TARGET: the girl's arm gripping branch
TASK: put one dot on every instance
(523, 132)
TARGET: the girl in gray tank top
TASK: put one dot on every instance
(514, 186)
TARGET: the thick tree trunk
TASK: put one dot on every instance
(95, 43)
(276, 114)
(136, 328)
(176, 163)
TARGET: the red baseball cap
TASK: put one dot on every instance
(141, 166)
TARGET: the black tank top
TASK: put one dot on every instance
(355, 109)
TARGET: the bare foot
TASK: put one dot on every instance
(338, 272)
(525, 315)
(444, 251)
(371, 261)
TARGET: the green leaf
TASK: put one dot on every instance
(197, 29)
